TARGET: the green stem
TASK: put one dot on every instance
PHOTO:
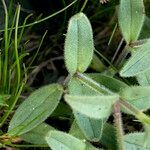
(22, 30)
(112, 35)
(84, 4)
(41, 42)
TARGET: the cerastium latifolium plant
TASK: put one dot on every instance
(93, 97)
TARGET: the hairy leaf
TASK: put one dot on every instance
(109, 138)
(35, 109)
(75, 130)
(98, 107)
(92, 128)
(76, 87)
(138, 96)
(144, 78)
(131, 18)
(139, 62)
(78, 44)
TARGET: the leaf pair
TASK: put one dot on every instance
(90, 107)
(78, 44)
(91, 127)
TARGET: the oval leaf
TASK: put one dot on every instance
(35, 109)
(78, 44)
(138, 63)
(93, 106)
(138, 96)
(62, 141)
(131, 18)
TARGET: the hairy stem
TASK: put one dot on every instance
(118, 125)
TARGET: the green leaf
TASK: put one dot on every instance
(76, 87)
(98, 107)
(111, 83)
(147, 135)
(97, 64)
(138, 96)
(76, 131)
(144, 78)
(145, 33)
(136, 141)
(37, 135)
(131, 18)
(92, 128)
(35, 109)
(109, 138)
(62, 141)
(79, 45)
(139, 62)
